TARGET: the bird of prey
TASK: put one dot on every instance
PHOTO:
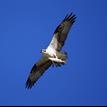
(52, 55)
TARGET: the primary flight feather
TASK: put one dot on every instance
(52, 55)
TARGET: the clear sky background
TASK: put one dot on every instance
(27, 26)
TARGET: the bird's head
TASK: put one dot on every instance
(43, 50)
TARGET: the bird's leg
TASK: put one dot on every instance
(58, 64)
(54, 63)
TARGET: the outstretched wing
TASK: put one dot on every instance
(37, 71)
(61, 32)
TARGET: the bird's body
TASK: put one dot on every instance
(49, 52)
(52, 55)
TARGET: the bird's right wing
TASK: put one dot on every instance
(61, 32)
(37, 71)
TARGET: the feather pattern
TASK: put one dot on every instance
(61, 32)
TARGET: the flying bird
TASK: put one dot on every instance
(52, 55)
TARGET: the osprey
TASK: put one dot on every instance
(52, 55)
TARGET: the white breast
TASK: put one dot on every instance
(51, 51)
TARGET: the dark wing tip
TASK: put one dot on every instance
(29, 83)
(71, 17)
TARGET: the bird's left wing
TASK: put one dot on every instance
(37, 71)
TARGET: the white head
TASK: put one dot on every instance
(43, 51)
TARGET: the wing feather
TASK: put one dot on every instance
(61, 32)
(37, 71)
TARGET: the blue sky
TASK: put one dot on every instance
(27, 26)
